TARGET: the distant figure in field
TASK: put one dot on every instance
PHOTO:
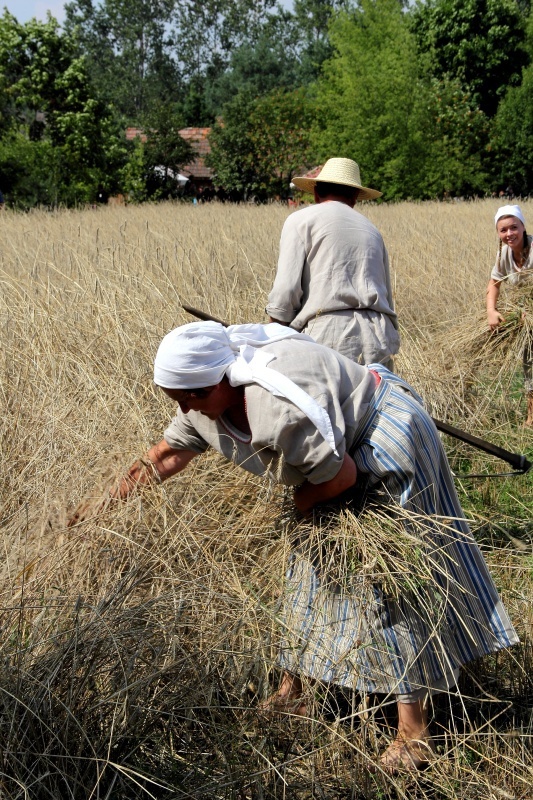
(514, 266)
(333, 279)
(2, 202)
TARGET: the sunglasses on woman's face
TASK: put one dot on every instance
(183, 395)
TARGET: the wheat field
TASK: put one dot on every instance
(136, 646)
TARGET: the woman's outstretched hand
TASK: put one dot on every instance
(160, 463)
(141, 473)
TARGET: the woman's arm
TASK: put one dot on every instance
(310, 494)
(493, 315)
(160, 462)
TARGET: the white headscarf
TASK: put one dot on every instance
(201, 353)
(510, 211)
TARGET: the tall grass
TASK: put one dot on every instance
(135, 647)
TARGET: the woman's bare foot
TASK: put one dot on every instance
(412, 748)
(407, 755)
(288, 699)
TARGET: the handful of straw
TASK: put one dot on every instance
(390, 546)
(511, 341)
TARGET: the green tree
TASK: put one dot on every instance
(165, 152)
(222, 46)
(312, 19)
(133, 176)
(257, 68)
(457, 157)
(480, 43)
(207, 31)
(164, 145)
(512, 137)
(30, 171)
(285, 51)
(50, 99)
(371, 99)
(412, 136)
(130, 51)
(261, 143)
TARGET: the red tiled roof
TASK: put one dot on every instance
(132, 133)
(197, 138)
(312, 172)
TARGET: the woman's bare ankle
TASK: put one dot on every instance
(288, 698)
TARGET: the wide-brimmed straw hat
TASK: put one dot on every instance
(338, 170)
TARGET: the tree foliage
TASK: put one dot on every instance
(480, 43)
(165, 152)
(431, 99)
(129, 51)
(261, 142)
(412, 135)
(369, 96)
(49, 100)
(457, 155)
(512, 137)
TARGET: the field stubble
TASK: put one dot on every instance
(136, 646)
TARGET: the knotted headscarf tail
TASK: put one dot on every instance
(199, 354)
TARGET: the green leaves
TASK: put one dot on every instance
(477, 42)
(261, 142)
(413, 136)
(427, 99)
(50, 112)
(512, 136)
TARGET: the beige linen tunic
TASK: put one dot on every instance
(285, 445)
(507, 269)
(333, 282)
(355, 635)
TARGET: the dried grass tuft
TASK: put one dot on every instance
(501, 351)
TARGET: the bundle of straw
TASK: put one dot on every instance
(510, 343)
(391, 546)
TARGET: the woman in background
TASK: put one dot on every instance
(514, 265)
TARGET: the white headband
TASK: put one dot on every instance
(510, 211)
(201, 353)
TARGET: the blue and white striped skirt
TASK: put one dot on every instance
(356, 636)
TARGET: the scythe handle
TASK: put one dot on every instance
(519, 462)
(202, 315)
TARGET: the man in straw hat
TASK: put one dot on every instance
(333, 278)
(277, 404)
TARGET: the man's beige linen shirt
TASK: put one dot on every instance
(332, 259)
